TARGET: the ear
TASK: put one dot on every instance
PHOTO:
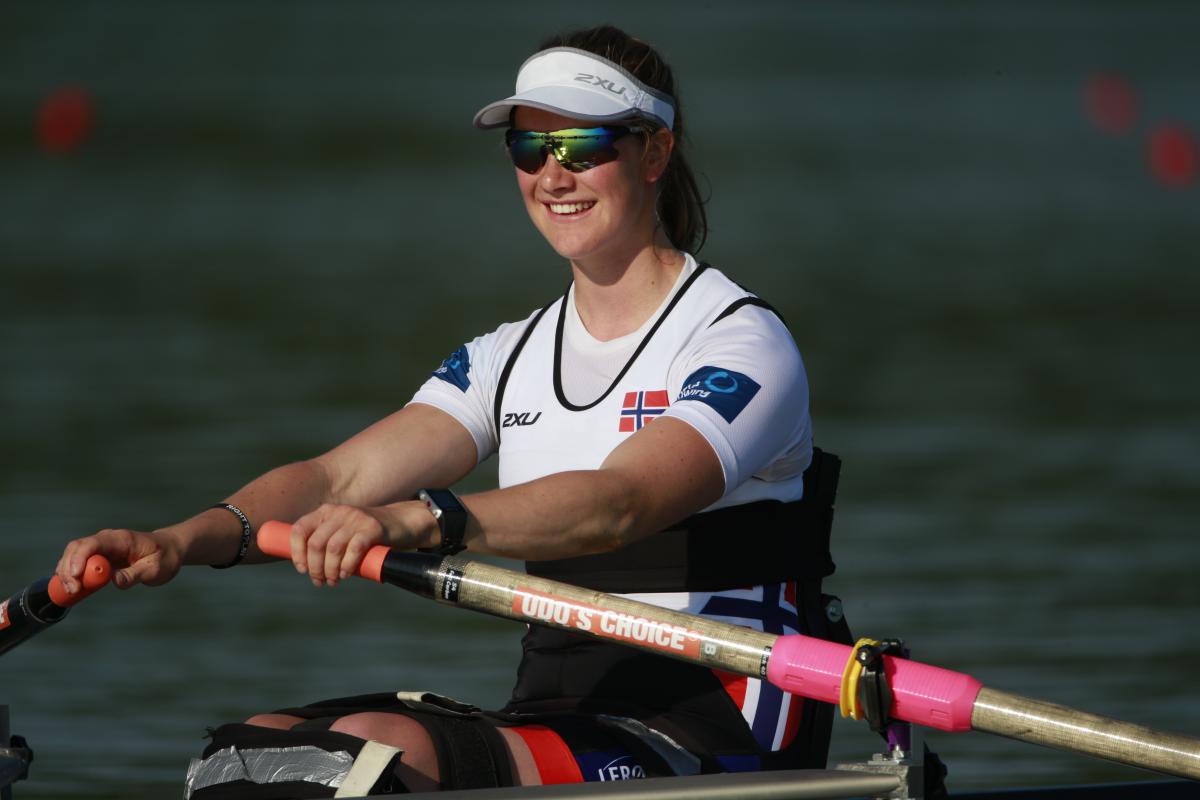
(657, 154)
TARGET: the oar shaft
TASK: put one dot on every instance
(1064, 728)
(504, 593)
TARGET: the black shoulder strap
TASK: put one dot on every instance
(747, 301)
(558, 337)
(512, 359)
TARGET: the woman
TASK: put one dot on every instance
(654, 390)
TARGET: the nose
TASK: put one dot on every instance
(554, 176)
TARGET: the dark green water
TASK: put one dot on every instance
(282, 221)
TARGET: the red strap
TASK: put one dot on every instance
(734, 684)
(795, 715)
(555, 763)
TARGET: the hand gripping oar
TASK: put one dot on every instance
(803, 665)
(45, 602)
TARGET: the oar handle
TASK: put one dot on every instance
(45, 602)
(97, 572)
(275, 539)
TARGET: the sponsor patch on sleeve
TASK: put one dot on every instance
(725, 391)
(455, 369)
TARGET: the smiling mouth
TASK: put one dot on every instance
(567, 209)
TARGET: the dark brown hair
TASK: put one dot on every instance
(680, 206)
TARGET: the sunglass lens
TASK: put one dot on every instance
(527, 149)
(581, 149)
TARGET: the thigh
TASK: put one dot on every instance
(418, 768)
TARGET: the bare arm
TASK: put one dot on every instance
(658, 476)
(661, 474)
(416, 446)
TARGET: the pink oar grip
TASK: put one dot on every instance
(275, 539)
(96, 574)
(923, 694)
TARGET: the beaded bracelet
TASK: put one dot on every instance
(247, 532)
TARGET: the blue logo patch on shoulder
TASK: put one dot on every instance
(455, 369)
(725, 391)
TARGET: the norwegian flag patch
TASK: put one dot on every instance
(640, 408)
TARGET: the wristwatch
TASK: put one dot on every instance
(451, 516)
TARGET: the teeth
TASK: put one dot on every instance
(570, 208)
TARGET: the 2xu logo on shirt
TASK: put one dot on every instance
(519, 418)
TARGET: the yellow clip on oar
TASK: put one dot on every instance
(848, 696)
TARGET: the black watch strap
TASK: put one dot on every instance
(451, 516)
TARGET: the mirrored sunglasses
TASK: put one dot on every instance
(576, 149)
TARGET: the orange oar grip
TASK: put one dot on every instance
(275, 539)
(96, 574)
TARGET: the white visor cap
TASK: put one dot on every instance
(582, 85)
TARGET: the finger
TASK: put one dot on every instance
(316, 548)
(144, 570)
(335, 551)
(83, 550)
(355, 551)
(75, 555)
(61, 569)
(302, 529)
